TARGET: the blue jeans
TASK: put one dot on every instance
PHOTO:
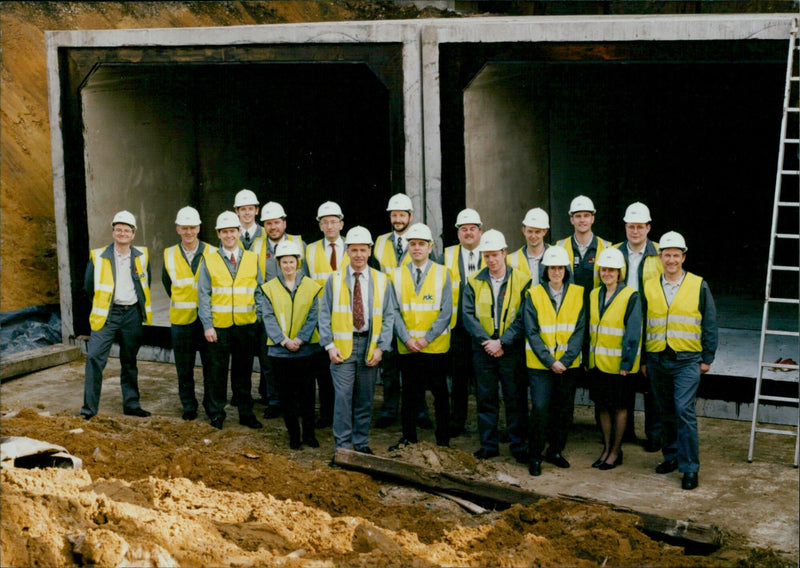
(187, 340)
(124, 322)
(674, 384)
(489, 372)
(353, 389)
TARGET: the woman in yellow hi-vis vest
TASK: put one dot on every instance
(615, 341)
(554, 325)
(291, 306)
(118, 281)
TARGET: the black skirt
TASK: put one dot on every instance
(610, 391)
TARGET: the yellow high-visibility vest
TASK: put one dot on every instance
(342, 313)
(104, 286)
(484, 300)
(292, 313)
(606, 333)
(678, 325)
(451, 259)
(385, 254)
(183, 296)
(318, 266)
(601, 244)
(419, 311)
(233, 299)
(652, 267)
(555, 329)
(260, 248)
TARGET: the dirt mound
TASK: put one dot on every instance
(162, 492)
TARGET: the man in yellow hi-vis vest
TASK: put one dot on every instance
(680, 342)
(422, 326)
(228, 292)
(118, 281)
(179, 276)
(356, 319)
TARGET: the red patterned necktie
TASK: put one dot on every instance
(233, 260)
(358, 304)
(333, 256)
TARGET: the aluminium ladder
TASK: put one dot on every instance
(784, 242)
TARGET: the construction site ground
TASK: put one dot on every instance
(159, 491)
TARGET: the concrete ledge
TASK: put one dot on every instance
(32, 360)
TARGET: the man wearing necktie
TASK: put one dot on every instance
(422, 326)
(356, 318)
(228, 286)
(463, 260)
(245, 204)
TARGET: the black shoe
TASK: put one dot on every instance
(689, 480)
(189, 415)
(425, 423)
(521, 456)
(87, 416)
(250, 421)
(651, 446)
(535, 468)
(557, 460)
(667, 466)
(294, 443)
(322, 422)
(456, 430)
(140, 412)
(605, 466)
(385, 421)
(443, 443)
(217, 423)
(366, 450)
(402, 443)
(311, 442)
(333, 465)
(271, 412)
(600, 460)
(484, 454)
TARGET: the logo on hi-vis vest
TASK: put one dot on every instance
(427, 298)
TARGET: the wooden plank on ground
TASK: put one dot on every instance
(25, 362)
(502, 495)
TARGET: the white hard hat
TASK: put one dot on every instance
(245, 197)
(358, 236)
(637, 213)
(329, 208)
(287, 248)
(188, 216)
(227, 220)
(555, 256)
(272, 210)
(124, 217)
(468, 217)
(537, 218)
(492, 240)
(581, 203)
(419, 231)
(400, 202)
(672, 240)
(611, 258)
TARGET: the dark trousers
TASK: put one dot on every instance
(234, 346)
(652, 420)
(125, 324)
(392, 386)
(462, 375)
(489, 373)
(322, 372)
(187, 340)
(294, 377)
(422, 372)
(267, 386)
(552, 405)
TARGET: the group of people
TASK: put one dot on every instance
(521, 327)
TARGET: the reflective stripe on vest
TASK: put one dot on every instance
(104, 286)
(519, 261)
(452, 256)
(318, 266)
(385, 254)
(292, 313)
(183, 297)
(419, 311)
(233, 300)
(678, 325)
(606, 333)
(555, 329)
(484, 301)
(601, 244)
(652, 267)
(342, 313)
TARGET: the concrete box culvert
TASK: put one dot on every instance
(499, 114)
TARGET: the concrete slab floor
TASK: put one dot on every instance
(755, 503)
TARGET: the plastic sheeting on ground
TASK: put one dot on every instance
(29, 328)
